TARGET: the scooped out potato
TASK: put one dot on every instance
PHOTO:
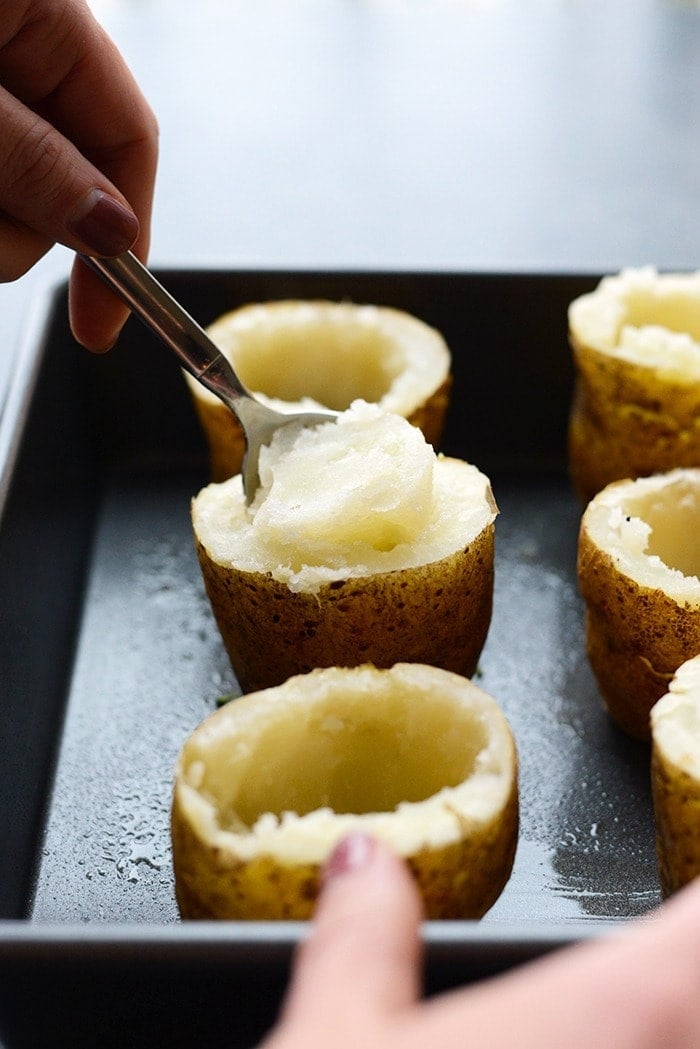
(298, 354)
(636, 348)
(638, 566)
(269, 784)
(361, 546)
(675, 777)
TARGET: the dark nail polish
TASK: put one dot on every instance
(104, 225)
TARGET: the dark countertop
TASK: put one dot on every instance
(495, 136)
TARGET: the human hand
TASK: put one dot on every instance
(355, 981)
(79, 146)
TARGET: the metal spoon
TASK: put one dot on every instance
(149, 300)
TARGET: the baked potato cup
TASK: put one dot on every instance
(636, 351)
(299, 354)
(270, 783)
(675, 777)
(638, 565)
(366, 547)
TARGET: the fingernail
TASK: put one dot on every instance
(351, 854)
(104, 224)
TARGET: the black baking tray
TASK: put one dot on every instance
(109, 657)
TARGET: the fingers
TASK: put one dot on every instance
(361, 959)
(49, 190)
(95, 313)
(79, 146)
(355, 982)
(636, 989)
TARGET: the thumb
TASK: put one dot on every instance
(361, 958)
(48, 187)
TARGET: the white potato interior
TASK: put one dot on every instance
(331, 354)
(415, 753)
(363, 362)
(346, 755)
(643, 316)
(675, 719)
(651, 529)
(673, 516)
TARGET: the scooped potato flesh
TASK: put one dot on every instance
(639, 568)
(415, 755)
(675, 777)
(364, 495)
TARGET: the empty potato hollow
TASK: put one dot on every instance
(291, 362)
(301, 354)
(353, 760)
(673, 517)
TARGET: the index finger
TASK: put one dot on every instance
(61, 63)
(362, 956)
(57, 59)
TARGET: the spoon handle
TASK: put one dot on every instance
(149, 300)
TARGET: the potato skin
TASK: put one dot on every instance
(636, 637)
(437, 613)
(211, 884)
(224, 437)
(627, 421)
(676, 796)
(464, 880)
(226, 442)
(459, 881)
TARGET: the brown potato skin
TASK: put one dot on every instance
(438, 614)
(459, 881)
(226, 442)
(676, 797)
(211, 884)
(636, 637)
(470, 875)
(625, 422)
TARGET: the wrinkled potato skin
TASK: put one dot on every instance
(226, 442)
(460, 881)
(676, 797)
(636, 638)
(437, 613)
(627, 422)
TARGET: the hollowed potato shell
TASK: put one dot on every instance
(637, 635)
(354, 360)
(627, 420)
(429, 733)
(636, 349)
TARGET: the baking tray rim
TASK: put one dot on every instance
(21, 939)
